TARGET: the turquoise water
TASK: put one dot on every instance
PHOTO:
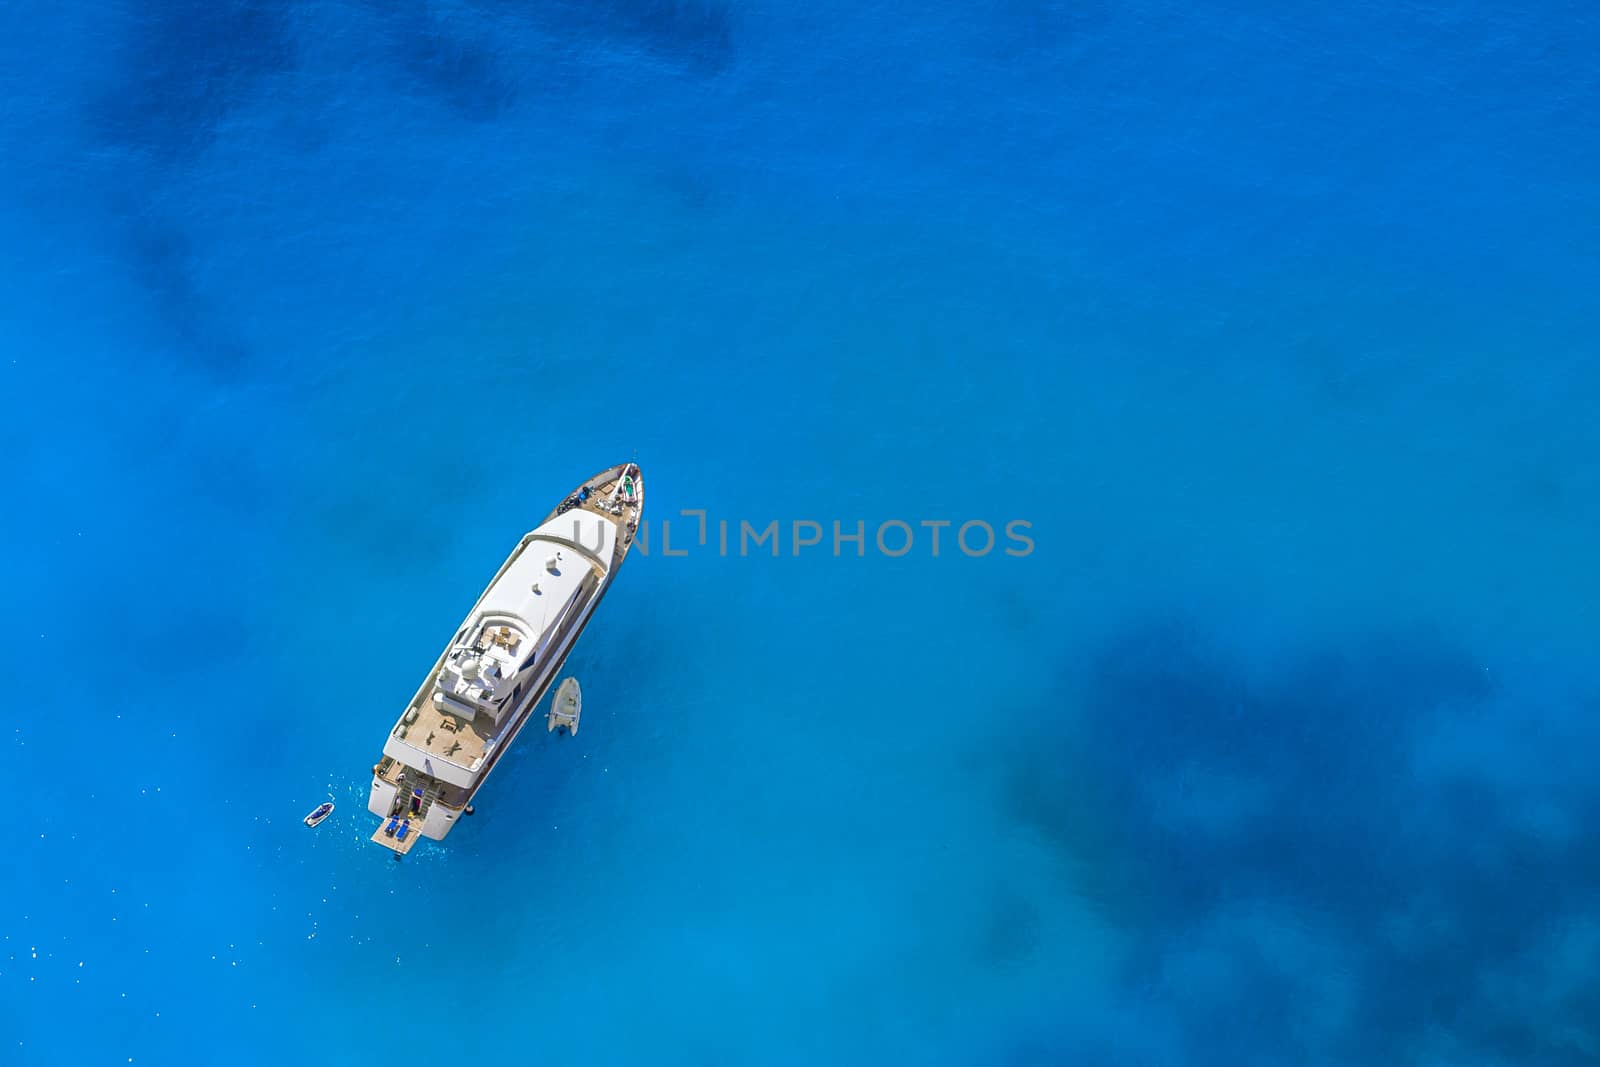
(1276, 329)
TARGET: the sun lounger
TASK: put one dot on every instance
(388, 831)
(405, 828)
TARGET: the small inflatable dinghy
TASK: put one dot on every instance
(320, 812)
(565, 708)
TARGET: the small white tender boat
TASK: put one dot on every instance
(320, 812)
(565, 708)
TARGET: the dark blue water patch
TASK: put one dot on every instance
(467, 73)
(160, 256)
(1054, 29)
(186, 65)
(1009, 930)
(696, 36)
(695, 191)
(486, 56)
(1201, 791)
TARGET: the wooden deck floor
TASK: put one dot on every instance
(394, 844)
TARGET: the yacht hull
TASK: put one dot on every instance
(445, 745)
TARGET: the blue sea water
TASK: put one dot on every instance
(1275, 325)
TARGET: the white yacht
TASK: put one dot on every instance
(501, 661)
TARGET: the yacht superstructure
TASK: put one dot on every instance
(506, 654)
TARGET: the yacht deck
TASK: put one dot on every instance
(394, 772)
(601, 502)
(394, 844)
(447, 735)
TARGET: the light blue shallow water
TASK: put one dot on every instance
(1277, 330)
